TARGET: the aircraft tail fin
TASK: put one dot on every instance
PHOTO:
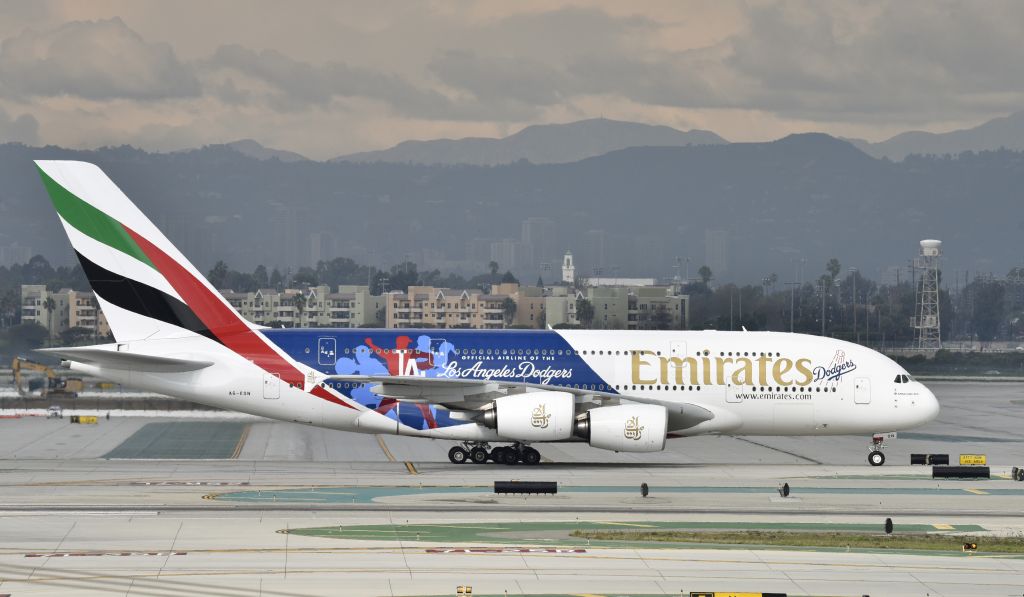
(145, 286)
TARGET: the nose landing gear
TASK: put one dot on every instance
(480, 453)
(876, 457)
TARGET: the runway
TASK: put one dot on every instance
(74, 519)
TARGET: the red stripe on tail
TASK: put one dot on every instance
(222, 321)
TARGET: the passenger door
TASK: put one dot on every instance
(271, 386)
(862, 390)
(326, 351)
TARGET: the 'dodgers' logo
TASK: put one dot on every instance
(633, 430)
(539, 418)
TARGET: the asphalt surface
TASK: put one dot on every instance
(230, 513)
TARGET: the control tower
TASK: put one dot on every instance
(926, 310)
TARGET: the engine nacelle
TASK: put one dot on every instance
(625, 428)
(532, 416)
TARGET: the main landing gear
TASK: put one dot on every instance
(876, 457)
(477, 453)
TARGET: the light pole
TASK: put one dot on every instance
(823, 289)
(792, 295)
(856, 330)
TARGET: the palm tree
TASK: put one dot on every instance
(50, 305)
(509, 307)
(584, 312)
(299, 302)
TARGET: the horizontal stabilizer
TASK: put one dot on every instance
(112, 359)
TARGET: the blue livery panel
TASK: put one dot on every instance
(521, 356)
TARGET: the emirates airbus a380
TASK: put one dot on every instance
(617, 390)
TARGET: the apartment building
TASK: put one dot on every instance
(317, 306)
(430, 307)
(61, 310)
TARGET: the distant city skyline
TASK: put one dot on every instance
(340, 77)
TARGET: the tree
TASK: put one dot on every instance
(833, 268)
(260, 277)
(299, 302)
(508, 307)
(540, 282)
(988, 308)
(276, 279)
(75, 335)
(8, 304)
(218, 275)
(305, 277)
(705, 274)
(661, 319)
(508, 278)
(51, 306)
(26, 336)
(584, 312)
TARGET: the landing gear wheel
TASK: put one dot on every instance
(508, 456)
(457, 455)
(531, 456)
(478, 455)
(876, 458)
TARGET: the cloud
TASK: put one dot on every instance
(95, 60)
(297, 85)
(901, 61)
(23, 129)
(390, 71)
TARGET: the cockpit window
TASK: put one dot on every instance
(899, 379)
(903, 378)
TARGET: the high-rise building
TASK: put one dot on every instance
(538, 237)
(508, 252)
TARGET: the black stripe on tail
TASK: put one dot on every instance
(139, 298)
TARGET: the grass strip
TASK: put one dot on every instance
(912, 541)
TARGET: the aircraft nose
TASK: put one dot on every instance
(928, 405)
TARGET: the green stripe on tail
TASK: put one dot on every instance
(90, 221)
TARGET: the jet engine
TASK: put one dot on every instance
(625, 428)
(532, 416)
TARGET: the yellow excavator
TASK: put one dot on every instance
(55, 385)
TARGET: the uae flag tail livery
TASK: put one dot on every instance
(145, 286)
(147, 289)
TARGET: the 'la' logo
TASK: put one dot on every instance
(407, 366)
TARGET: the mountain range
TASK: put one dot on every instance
(749, 209)
(1006, 132)
(539, 144)
(574, 141)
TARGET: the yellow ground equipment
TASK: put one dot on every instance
(55, 385)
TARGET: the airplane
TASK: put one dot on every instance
(626, 391)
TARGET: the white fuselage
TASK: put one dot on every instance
(754, 383)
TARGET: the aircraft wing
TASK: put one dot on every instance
(472, 394)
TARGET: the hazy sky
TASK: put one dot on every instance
(328, 78)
